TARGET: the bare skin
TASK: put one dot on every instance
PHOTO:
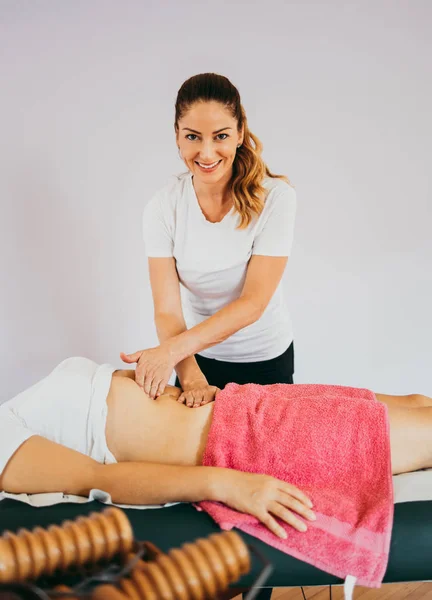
(168, 432)
(139, 428)
(410, 431)
(159, 446)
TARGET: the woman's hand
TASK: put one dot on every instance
(153, 370)
(265, 498)
(197, 393)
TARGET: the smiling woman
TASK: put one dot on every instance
(223, 230)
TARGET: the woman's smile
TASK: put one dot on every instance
(208, 167)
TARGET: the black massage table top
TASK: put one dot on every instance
(170, 527)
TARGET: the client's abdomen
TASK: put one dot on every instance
(164, 431)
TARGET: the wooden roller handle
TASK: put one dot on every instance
(197, 571)
(28, 555)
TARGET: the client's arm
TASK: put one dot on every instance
(40, 465)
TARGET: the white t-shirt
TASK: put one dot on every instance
(212, 260)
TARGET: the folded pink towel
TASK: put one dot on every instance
(332, 442)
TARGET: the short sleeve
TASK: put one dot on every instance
(13, 433)
(274, 235)
(158, 228)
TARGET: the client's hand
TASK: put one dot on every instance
(197, 393)
(265, 498)
(153, 370)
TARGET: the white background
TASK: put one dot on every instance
(340, 94)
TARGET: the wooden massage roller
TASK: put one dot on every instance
(100, 536)
(196, 571)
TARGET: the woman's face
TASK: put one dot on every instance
(207, 137)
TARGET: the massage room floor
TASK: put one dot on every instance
(388, 591)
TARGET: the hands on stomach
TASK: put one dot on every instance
(153, 370)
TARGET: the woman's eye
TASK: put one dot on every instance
(220, 137)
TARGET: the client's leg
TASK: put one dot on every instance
(410, 436)
(409, 401)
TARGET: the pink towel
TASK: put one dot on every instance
(332, 442)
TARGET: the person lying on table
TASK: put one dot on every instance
(89, 426)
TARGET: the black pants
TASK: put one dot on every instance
(264, 372)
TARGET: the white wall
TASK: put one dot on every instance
(339, 93)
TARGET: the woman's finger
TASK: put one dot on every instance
(295, 492)
(284, 514)
(161, 386)
(296, 505)
(271, 524)
(154, 388)
(198, 398)
(130, 358)
(191, 399)
(148, 381)
(208, 398)
(140, 375)
(182, 398)
(160, 390)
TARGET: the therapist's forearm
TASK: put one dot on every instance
(169, 326)
(235, 316)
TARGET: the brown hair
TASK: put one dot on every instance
(249, 169)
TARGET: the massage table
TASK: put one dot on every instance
(168, 527)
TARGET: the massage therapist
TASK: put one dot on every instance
(223, 230)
